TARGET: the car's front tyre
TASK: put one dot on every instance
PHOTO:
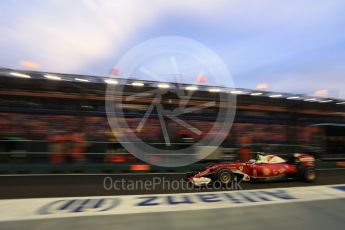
(225, 177)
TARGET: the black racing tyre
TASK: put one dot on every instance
(308, 174)
(225, 176)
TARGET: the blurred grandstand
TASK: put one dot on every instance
(51, 118)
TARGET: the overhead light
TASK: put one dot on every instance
(81, 79)
(236, 92)
(325, 101)
(52, 77)
(163, 85)
(214, 90)
(293, 98)
(262, 86)
(20, 75)
(311, 99)
(111, 81)
(136, 83)
(191, 87)
(29, 64)
(276, 95)
(256, 94)
(341, 103)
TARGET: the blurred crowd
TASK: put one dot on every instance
(73, 136)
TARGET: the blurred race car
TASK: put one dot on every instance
(264, 168)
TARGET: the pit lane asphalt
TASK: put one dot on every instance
(314, 215)
(41, 186)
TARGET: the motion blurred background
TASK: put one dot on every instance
(57, 122)
(286, 59)
(58, 152)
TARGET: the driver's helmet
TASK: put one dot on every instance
(260, 154)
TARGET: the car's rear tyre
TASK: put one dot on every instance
(308, 174)
(225, 177)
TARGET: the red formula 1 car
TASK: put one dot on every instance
(265, 168)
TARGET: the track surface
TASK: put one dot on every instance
(40, 186)
(315, 215)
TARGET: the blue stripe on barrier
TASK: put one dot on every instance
(340, 187)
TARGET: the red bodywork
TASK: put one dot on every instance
(264, 171)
